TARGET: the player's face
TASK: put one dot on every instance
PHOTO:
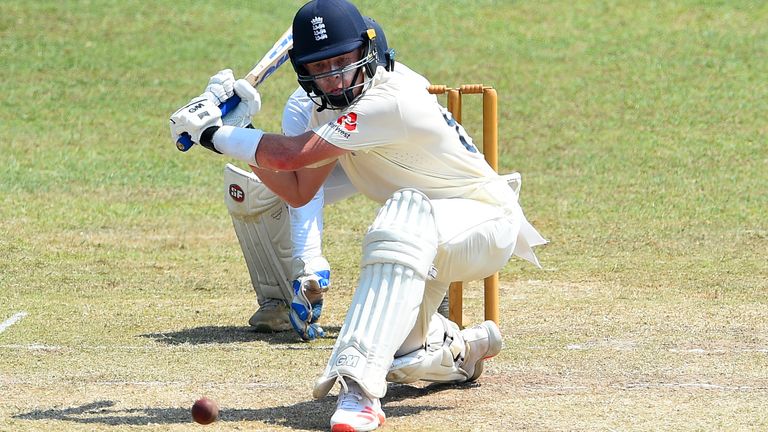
(333, 75)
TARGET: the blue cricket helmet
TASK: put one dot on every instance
(324, 29)
(384, 55)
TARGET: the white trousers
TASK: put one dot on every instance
(475, 240)
(307, 220)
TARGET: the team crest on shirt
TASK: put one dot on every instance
(345, 124)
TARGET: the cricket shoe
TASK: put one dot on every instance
(355, 411)
(272, 316)
(483, 341)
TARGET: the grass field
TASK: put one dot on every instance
(640, 131)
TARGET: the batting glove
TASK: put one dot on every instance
(194, 118)
(220, 87)
(250, 104)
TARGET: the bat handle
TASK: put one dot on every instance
(184, 142)
(229, 104)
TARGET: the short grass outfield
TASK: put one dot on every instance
(640, 132)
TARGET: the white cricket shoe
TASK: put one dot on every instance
(483, 341)
(355, 411)
(272, 316)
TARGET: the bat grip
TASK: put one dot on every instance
(184, 142)
(229, 104)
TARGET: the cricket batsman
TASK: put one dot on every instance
(446, 214)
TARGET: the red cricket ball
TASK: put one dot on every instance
(205, 411)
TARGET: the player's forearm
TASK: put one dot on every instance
(270, 151)
(284, 153)
(276, 152)
(283, 183)
(296, 188)
(239, 143)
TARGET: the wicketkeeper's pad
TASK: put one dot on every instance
(263, 228)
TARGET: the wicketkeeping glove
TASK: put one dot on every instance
(312, 282)
(307, 331)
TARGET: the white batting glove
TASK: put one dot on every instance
(250, 104)
(194, 118)
(220, 87)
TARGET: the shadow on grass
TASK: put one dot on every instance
(308, 415)
(228, 334)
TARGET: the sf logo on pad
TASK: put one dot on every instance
(236, 192)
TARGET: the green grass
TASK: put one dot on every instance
(639, 128)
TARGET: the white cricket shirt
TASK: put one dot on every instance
(400, 136)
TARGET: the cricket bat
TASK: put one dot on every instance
(272, 60)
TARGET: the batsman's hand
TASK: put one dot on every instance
(220, 87)
(250, 104)
(194, 118)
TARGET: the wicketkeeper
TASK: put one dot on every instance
(446, 214)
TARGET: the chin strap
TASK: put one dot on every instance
(322, 106)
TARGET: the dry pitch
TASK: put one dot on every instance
(576, 357)
(639, 128)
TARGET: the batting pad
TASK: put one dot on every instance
(263, 228)
(398, 251)
(435, 362)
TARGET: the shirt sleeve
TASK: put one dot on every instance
(296, 113)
